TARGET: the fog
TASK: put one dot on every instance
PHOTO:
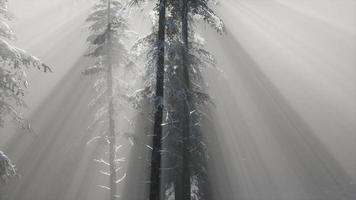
(283, 123)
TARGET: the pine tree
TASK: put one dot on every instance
(184, 56)
(107, 30)
(14, 62)
(155, 186)
(187, 58)
(192, 137)
(155, 42)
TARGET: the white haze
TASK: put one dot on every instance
(285, 101)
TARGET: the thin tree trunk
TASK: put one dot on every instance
(155, 186)
(186, 173)
(112, 141)
(111, 133)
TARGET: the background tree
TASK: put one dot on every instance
(108, 29)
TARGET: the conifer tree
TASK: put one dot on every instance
(184, 56)
(155, 186)
(155, 85)
(14, 63)
(108, 30)
(191, 63)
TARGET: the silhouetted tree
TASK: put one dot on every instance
(186, 97)
(183, 94)
(159, 54)
(192, 138)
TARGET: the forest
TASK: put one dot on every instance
(177, 100)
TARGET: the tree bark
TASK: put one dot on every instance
(186, 173)
(155, 182)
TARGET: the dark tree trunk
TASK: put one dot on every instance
(186, 173)
(155, 182)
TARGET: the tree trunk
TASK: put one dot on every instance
(111, 133)
(155, 182)
(112, 140)
(186, 174)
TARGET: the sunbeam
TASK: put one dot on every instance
(281, 125)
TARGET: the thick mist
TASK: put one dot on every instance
(283, 123)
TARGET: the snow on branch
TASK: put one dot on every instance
(7, 169)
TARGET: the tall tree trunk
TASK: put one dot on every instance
(111, 133)
(112, 141)
(186, 173)
(155, 186)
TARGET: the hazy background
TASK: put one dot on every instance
(285, 101)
